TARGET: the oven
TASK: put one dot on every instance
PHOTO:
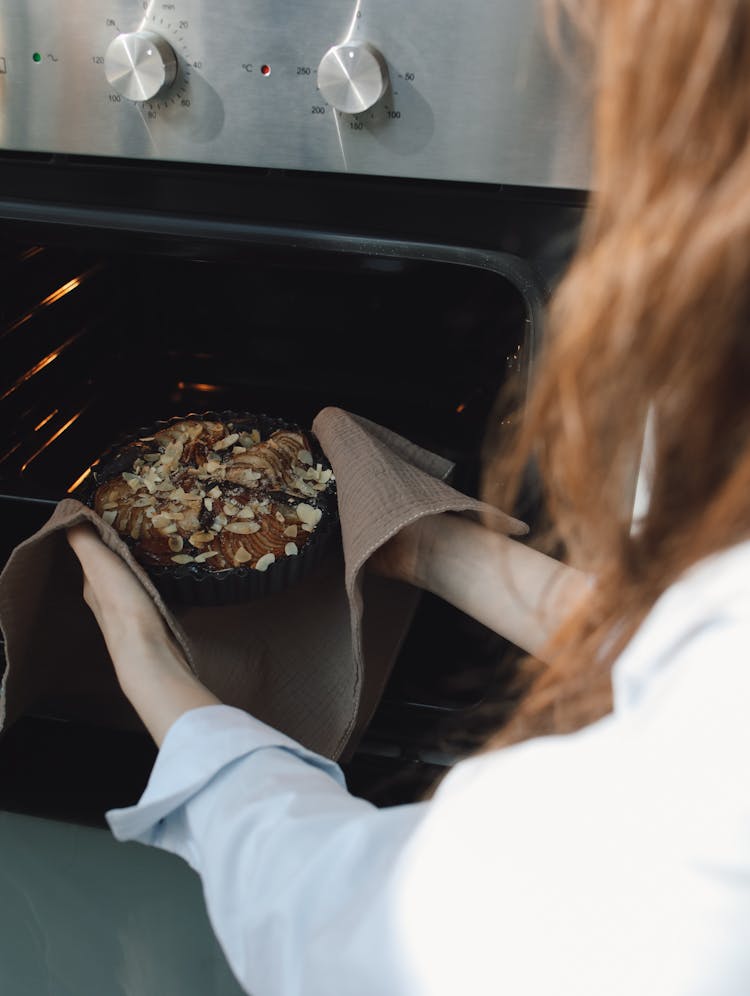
(273, 206)
(263, 205)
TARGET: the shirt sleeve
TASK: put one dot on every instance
(298, 875)
(615, 860)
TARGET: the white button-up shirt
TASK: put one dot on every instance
(608, 862)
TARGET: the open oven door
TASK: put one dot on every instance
(78, 919)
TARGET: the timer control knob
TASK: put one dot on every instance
(352, 76)
(139, 65)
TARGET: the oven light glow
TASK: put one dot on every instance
(79, 480)
(45, 362)
(50, 358)
(203, 388)
(52, 438)
(10, 452)
(46, 420)
(52, 298)
(265, 70)
(61, 292)
(461, 408)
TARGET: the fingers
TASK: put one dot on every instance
(112, 589)
(79, 536)
(100, 564)
(87, 546)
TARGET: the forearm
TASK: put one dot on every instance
(297, 873)
(156, 680)
(518, 592)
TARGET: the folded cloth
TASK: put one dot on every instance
(311, 661)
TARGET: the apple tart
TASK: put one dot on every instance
(204, 497)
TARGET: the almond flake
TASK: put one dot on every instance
(265, 562)
(151, 457)
(242, 528)
(305, 456)
(109, 516)
(246, 513)
(143, 502)
(211, 466)
(239, 449)
(209, 504)
(241, 556)
(215, 492)
(255, 436)
(306, 513)
(133, 481)
(228, 509)
(279, 517)
(308, 527)
(227, 441)
(290, 531)
(160, 521)
(182, 558)
(291, 550)
(203, 557)
(175, 544)
(171, 528)
(201, 538)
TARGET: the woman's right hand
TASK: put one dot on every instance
(150, 667)
(406, 556)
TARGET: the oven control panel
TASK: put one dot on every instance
(431, 89)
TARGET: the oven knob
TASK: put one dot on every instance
(352, 77)
(139, 65)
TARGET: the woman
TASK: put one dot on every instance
(611, 855)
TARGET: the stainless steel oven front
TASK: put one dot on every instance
(460, 92)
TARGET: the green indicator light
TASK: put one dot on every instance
(36, 57)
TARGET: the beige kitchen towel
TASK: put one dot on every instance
(312, 660)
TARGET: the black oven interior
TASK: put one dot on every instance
(98, 342)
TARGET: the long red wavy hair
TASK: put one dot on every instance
(652, 316)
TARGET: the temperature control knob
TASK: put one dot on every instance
(139, 65)
(352, 76)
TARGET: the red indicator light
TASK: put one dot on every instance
(265, 70)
